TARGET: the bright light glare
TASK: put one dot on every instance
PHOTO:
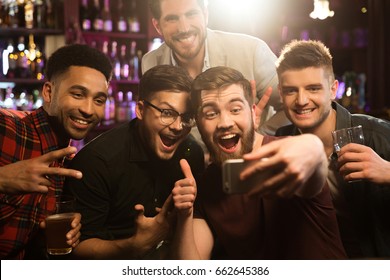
(5, 65)
(321, 10)
(245, 16)
(239, 7)
(348, 92)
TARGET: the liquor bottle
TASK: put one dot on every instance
(109, 109)
(85, 16)
(107, 19)
(120, 108)
(2, 57)
(50, 17)
(4, 14)
(24, 102)
(31, 55)
(133, 20)
(116, 64)
(134, 62)
(137, 67)
(131, 104)
(37, 99)
(121, 24)
(155, 44)
(22, 68)
(9, 101)
(124, 63)
(10, 56)
(29, 14)
(97, 17)
(39, 14)
(20, 4)
(1, 98)
(13, 14)
(105, 48)
(39, 62)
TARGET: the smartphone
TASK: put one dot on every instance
(232, 184)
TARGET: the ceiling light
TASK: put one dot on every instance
(321, 10)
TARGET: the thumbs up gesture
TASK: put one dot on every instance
(184, 191)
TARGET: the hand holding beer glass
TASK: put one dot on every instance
(58, 224)
(344, 136)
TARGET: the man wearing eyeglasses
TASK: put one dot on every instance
(129, 172)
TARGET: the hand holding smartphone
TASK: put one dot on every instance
(232, 184)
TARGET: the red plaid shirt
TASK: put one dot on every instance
(24, 136)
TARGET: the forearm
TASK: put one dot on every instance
(184, 247)
(95, 248)
(3, 184)
(316, 181)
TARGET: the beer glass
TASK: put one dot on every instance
(58, 224)
(344, 136)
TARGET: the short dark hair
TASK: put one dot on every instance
(77, 55)
(216, 78)
(163, 77)
(155, 7)
(300, 54)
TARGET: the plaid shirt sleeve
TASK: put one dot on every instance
(20, 215)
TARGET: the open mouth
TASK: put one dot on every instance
(168, 141)
(229, 141)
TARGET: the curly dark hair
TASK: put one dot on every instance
(77, 55)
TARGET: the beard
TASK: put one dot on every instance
(218, 156)
(187, 53)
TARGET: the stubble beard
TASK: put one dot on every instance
(188, 54)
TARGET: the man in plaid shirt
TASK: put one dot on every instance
(34, 146)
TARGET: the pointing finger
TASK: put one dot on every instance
(58, 154)
(168, 205)
(264, 99)
(64, 172)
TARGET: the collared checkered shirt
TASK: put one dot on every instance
(24, 136)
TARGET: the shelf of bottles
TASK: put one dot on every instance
(115, 28)
(24, 24)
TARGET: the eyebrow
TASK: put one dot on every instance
(214, 103)
(85, 90)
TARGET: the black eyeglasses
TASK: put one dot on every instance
(169, 116)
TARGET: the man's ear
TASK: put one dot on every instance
(156, 26)
(47, 91)
(139, 110)
(334, 88)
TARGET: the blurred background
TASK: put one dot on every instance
(356, 31)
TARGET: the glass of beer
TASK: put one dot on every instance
(344, 136)
(58, 224)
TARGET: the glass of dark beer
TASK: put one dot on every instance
(58, 224)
